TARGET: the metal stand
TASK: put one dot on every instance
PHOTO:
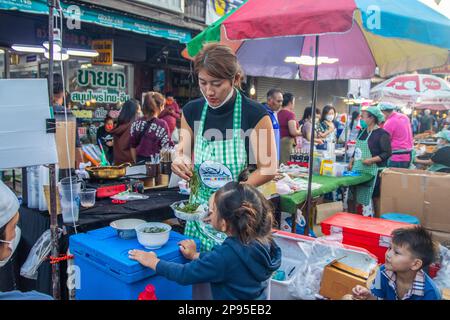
(309, 212)
(52, 168)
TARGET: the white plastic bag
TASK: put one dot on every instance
(39, 252)
(442, 279)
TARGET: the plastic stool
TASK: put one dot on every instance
(400, 217)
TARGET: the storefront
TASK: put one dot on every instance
(140, 56)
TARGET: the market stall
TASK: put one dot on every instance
(291, 202)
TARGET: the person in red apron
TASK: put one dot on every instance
(226, 132)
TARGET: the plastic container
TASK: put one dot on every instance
(339, 168)
(106, 273)
(292, 255)
(372, 234)
(87, 198)
(70, 199)
(400, 217)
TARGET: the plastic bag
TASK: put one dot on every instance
(313, 259)
(39, 252)
(442, 279)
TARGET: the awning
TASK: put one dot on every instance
(102, 18)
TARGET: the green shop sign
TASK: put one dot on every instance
(103, 18)
(100, 96)
(100, 78)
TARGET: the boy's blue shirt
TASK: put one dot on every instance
(384, 287)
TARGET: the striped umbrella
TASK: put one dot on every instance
(365, 36)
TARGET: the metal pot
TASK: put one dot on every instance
(109, 172)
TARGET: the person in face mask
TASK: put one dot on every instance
(440, 160)
(327, 128)
(224, 132)
(9, 240)
(372, 151)
(104, 136)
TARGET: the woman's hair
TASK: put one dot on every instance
(220, 62)
(287, 98)
(307, 113)
(355, 115)
(326, 110)
(108, 118)
(153, 103)
(128, 111)
(3, 232)
(248, 214)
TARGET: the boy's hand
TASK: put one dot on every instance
(189, 249)
(361, 293)
(147, 259)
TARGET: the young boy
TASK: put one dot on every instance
(402, 276)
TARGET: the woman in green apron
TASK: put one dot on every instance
(226, 132)
(440, 160)
(372, 151)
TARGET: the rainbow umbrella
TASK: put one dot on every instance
(358, 38)
(390, 37)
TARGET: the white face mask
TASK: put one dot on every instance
(12, 246)
(330, 117)
(228, 98)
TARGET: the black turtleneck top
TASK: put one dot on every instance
(222, 118)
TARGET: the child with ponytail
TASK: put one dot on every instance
(240, 268)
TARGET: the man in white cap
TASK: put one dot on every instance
(9, 240)
(402, 141)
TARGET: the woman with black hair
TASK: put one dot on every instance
(327, 129)
(306, 129)
(130, 111)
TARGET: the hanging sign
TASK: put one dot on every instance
(105, 49)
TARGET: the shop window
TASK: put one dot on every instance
(96, 92)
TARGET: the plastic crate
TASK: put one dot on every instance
(372, 234)
(104, 271)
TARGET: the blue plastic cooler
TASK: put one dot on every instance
(106, 273)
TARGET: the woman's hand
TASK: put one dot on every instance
(147, 259)
(189, 249)
(368, 162)
(110, 143)
(182, 167)
(350, 165)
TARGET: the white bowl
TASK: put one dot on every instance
(126, 227)
(202, 211)
(153, 240)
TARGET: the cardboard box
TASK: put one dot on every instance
(442, 237)
(326, 210)
(420, 193)
(339, 279)
(446, 294)
(62, 128)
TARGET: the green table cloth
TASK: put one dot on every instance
(289, 202)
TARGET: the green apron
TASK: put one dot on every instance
(364, 192)
(216, 163)
(436, 167)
